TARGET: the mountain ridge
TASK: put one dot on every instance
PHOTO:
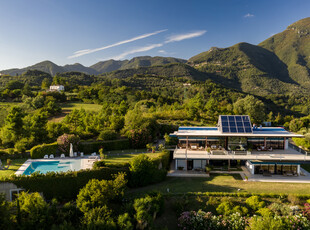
(96, 69)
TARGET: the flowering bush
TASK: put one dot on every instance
(299, 222)
(64, 142)
(306, 211)
(202, 220)
(237, 221)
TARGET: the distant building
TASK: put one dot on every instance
(57, 88)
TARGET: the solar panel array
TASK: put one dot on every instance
(236, 124)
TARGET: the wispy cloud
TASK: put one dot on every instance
(180, 37)
(173, 38)
(137, 50)
(88, 51)
(248, 15)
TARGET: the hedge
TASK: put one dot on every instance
(90, 147)
(63, 186)
(39, 151)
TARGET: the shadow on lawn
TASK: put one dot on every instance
(183, 185)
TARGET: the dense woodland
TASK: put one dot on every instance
(140, 107)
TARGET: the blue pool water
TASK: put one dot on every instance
(53, 166)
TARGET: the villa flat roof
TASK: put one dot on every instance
(215, 132)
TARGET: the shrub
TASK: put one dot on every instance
(65, 140)
(264, 212)
(280, 209)
(99, 218)
(98, 164)
(32, 208)
(225, 208)
(124, 222)
(90, 147)
(99, 193)
(240, 209)
(237, 221)
(201, 220)
(266, 222)
(107, 135)
(142, 170)
(296, 222)
(39, 151)
(147, 209)
(293, 199)
(255, 203)
(21, 145)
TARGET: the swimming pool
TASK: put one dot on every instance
(62, 165)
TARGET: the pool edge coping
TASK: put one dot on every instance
(27, 163)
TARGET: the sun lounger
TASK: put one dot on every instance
(52, 156)
(62, 155)
(94, 154)
(45, 156)
(93, 157)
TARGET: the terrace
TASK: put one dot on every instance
(222, 154)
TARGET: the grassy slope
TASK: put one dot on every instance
(292, 46)
(246, 67)
(68, 107)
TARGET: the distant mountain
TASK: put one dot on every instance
(246, 67)
(167, 71)
(31, 77)
(136, 62)
(292, 46)
(77, 67)
(98, 68)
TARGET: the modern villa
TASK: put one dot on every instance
(263, 150)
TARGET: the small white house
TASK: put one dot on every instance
(57, 88)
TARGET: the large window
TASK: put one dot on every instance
(275, 143)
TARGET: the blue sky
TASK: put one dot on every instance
(71, 31)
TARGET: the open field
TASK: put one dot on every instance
(80, 105)
(15, 164)
(222, 183)
(68, 107)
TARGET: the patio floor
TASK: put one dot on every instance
(303, 178)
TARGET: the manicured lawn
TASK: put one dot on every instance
(222, 183)
(120, 157)
(15, 164)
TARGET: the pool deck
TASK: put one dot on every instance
(86, 163)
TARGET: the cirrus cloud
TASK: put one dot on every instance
(180, 37)
(88, 51)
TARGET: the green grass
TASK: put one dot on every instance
(117, 157)
(222, 183)
(87, 107)
(15, 164)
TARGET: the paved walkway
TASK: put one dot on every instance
(245, 175)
